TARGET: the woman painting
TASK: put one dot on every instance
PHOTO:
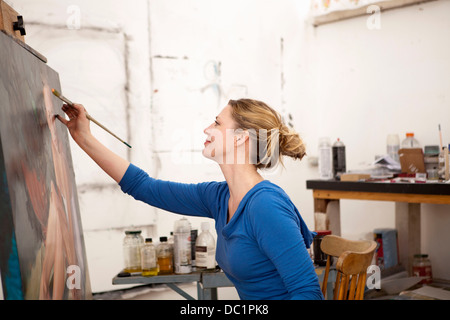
(262, 239)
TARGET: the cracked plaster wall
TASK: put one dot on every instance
(157, 73)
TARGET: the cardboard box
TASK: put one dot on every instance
(354, 176)
(412, 160)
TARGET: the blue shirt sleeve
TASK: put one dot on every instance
(183, 198)
(277, 227)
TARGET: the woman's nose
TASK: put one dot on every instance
(208, 129)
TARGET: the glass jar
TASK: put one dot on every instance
(320, 258)
(132, 244)
(422, 268)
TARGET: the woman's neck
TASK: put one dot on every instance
(240, 179)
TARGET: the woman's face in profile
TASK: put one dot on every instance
(220, 137)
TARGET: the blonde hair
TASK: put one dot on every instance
(258, 116)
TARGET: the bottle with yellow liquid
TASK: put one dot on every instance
(165, 256)
(148, 259)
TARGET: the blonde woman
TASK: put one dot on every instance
(262, 239)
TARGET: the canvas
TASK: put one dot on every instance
(42, 252)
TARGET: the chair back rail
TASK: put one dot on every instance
(354, 257)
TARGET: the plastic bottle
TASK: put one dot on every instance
(205, 249)
(339, 164)
(392, 146)
(182, 246)
(325, 159)
(148, 259)
(410, 142)
(164, 256)
(132, 244)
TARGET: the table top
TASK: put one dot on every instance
(438, 188)
(207, 277)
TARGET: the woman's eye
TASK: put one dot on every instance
(216, 123)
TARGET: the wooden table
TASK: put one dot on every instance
(407, 198)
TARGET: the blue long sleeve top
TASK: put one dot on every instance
(262, 249)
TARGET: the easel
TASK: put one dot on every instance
(12, 24)
(43, 253)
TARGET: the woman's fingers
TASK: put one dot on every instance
(71, 112)
(62, 119)
(78, 107)
(78, 120)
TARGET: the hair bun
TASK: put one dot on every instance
(256, 115)
(291, 144)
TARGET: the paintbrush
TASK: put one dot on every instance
(68, 102)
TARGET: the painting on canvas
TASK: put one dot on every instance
(42, 253)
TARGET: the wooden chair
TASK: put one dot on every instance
(354, 257)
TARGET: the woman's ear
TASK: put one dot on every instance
(241, 138)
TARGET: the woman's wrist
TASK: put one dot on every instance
(84, 140)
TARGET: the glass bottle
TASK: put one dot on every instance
(193, 239)
(132, 244)
(164, 256)
(148, 259)
(170, 240)
(422, 268)
(320, 258)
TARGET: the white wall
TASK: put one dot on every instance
(103, 64)
(393, 80)
(157, 72)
